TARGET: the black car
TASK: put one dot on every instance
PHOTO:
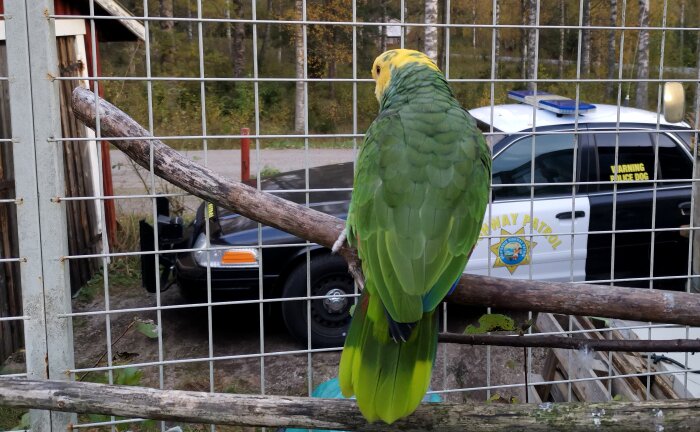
(235, 258)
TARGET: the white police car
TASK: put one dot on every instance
(596, 197)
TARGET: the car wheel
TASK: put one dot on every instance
(330, 317)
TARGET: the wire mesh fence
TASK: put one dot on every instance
(11, 316)
(591, 183)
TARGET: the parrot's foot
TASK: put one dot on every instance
(339, 243)
(399, 331)
(355, 271)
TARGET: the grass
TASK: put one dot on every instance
(122, 271)
(266, 171)
(285, 144)
(268, 144)
(10, 418)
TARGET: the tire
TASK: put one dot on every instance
(330, 317)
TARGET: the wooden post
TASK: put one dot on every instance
(245, 155)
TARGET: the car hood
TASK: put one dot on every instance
(332, 185)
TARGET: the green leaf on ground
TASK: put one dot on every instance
(24, 423)
(128, 376)
(492, 322)
(147, 328)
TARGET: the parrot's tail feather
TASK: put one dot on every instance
(399, 331)
(388, 379)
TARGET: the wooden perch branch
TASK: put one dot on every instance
(576, 343)
(341, 414)
(565, 298)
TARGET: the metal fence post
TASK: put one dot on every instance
(35, 114)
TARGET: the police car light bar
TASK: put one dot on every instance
(559, 105)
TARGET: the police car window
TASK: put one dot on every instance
(673, 161)
(554, 163)
(688, 138)
(635, 161)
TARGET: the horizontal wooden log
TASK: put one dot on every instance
(565, 298)
(340, 414)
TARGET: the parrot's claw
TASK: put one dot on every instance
(341, 240)
(399, 331)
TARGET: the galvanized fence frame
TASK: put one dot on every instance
(43, 256)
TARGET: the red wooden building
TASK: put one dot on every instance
(82, 170)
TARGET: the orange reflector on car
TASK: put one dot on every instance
(238, 257)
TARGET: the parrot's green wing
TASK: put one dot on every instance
(420, 189)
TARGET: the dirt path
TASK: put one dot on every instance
(129, 180)
(236, 331)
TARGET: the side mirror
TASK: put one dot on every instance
(674, 102)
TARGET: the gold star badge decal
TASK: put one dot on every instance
(512, 251)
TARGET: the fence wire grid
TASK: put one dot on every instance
(602, 197)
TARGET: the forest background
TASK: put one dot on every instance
(584, 39)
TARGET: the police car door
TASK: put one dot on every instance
(537, 223)
(636, 205)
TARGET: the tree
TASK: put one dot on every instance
(496, 35)
(383, 29)
(586, 39)
(562, 35)
(229, 32)
(524, 37)
(474, 22)
(431, 32)
(237, 43)
(235, 36)
(531, 48)
(190, 35)
(299, 114)
(609, 86)
(643, 55)
(168, 50)
(682, 36)
(327, 45)
(166, 11)
(266, 37)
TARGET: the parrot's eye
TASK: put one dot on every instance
(378, 69)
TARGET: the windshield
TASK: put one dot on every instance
(492, 137)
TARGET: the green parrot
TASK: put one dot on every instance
(421, 189)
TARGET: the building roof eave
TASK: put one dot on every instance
(114, 8)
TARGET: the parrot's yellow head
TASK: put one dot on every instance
(395, 59)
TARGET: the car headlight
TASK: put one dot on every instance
(223, 258)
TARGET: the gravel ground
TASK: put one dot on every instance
(129, 180)
(235, 330)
